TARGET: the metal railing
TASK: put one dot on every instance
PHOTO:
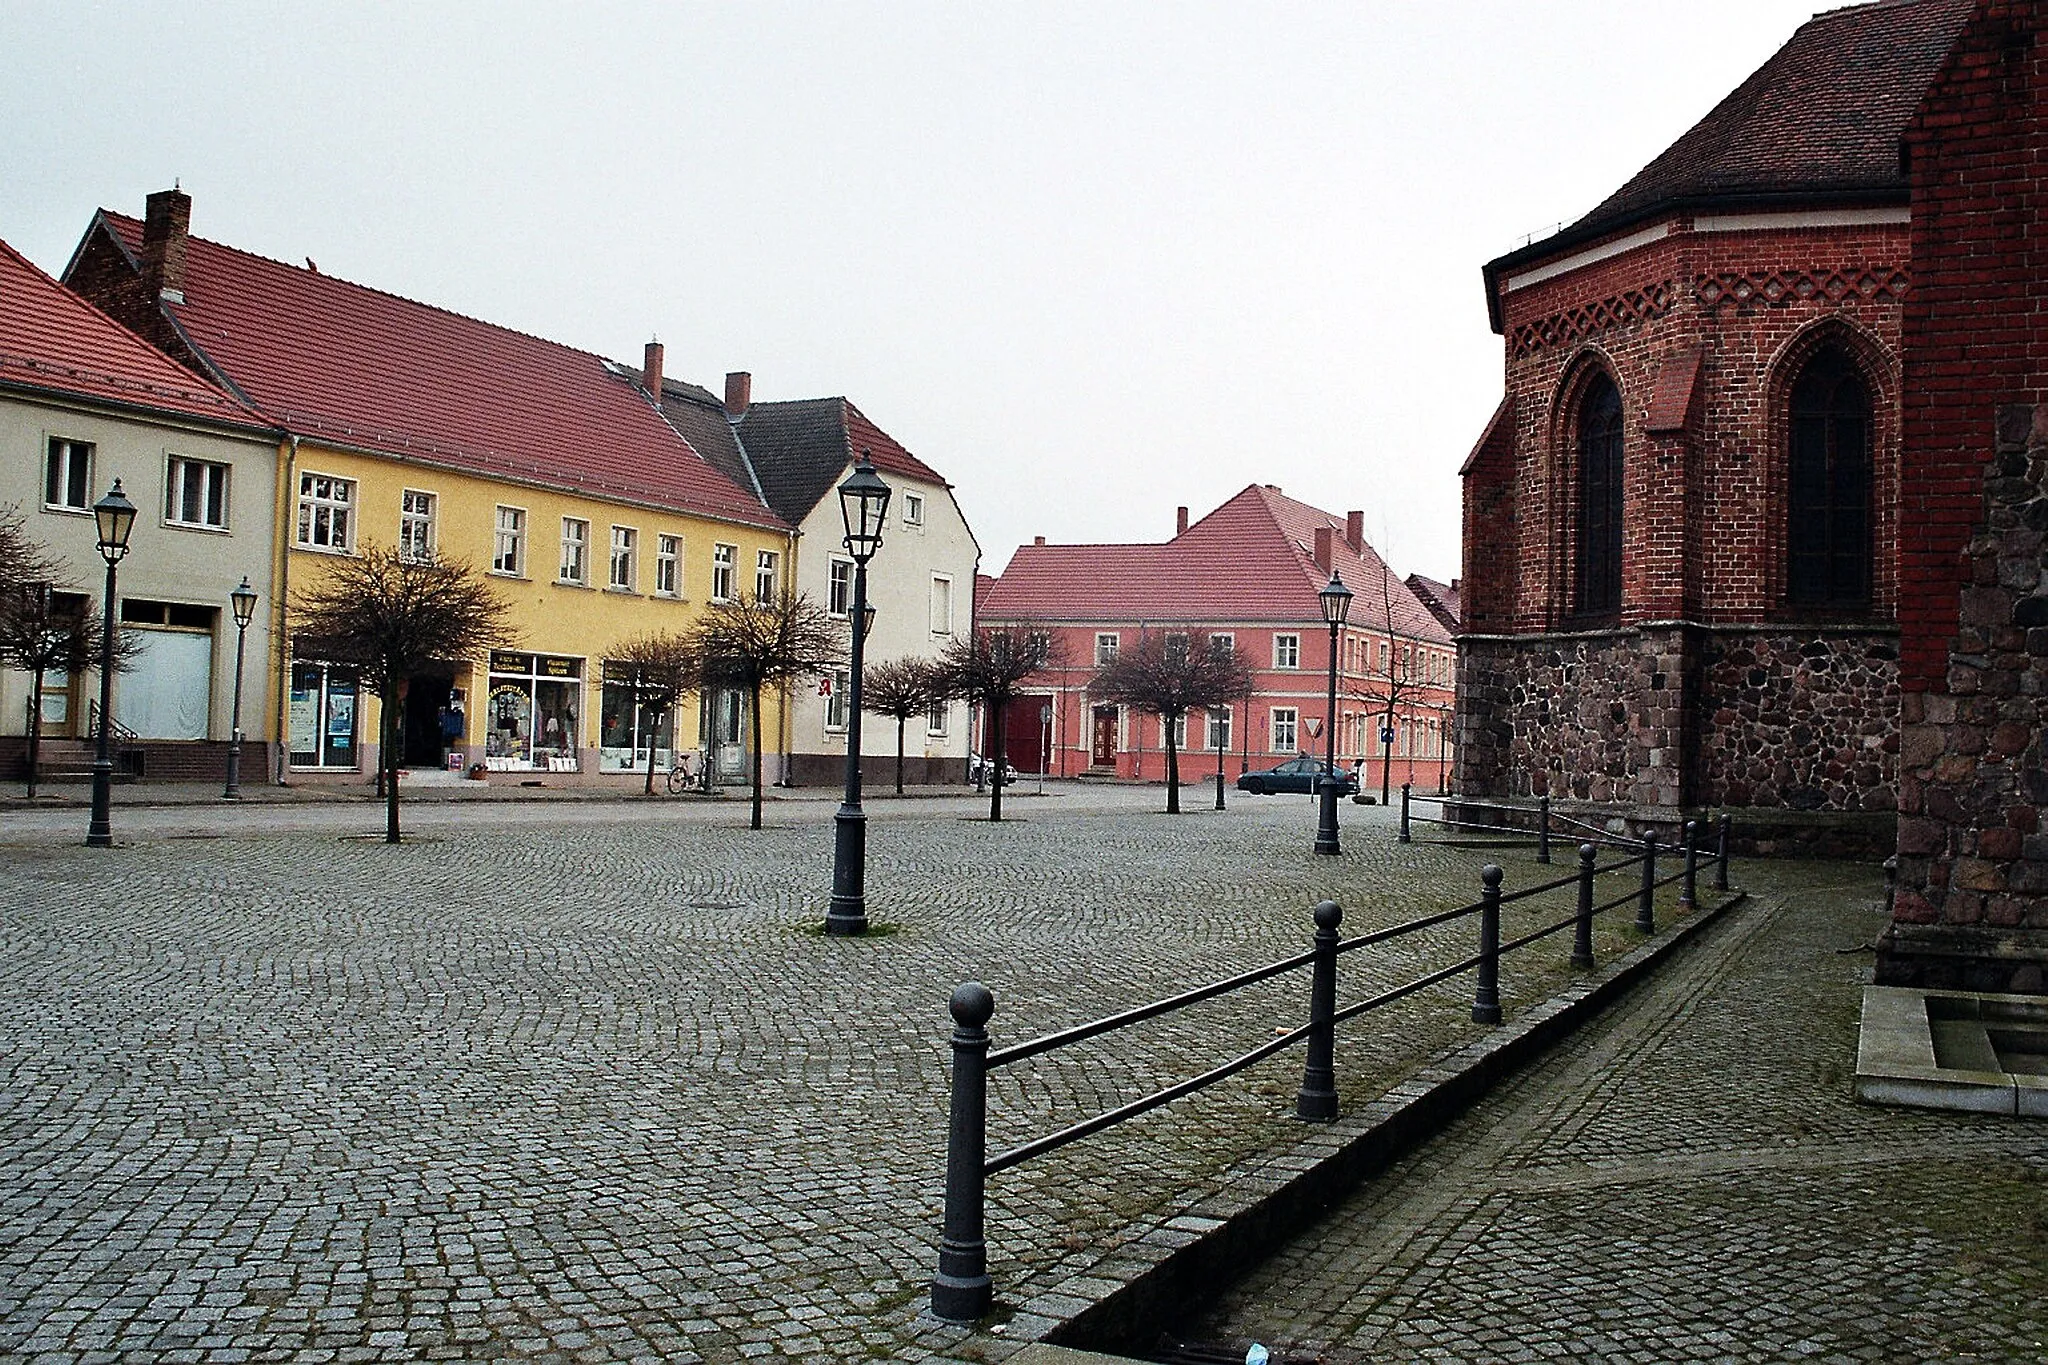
(1546, 822)
(120, 732)
(962, 1289)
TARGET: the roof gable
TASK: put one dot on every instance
(342, 362)
(50, 339)
(799, 449)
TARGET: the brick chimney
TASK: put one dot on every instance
(739, 394)
(1324, 537)
(1354, 531)
(1038, 540)
(650, 369)
(1180, 521)
(166, 225)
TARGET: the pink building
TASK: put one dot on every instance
(1249, 570)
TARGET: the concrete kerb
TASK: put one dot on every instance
(1118, 1302)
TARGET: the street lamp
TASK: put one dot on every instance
(243, 599)
(115, 517)
(863, 501)
(1336, 603)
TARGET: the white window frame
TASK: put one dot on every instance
(1107, 645)
(214, 483)
(1290, 718)
(668, 566)
(1219, 718)
(326, 502)
(575, 565)
(839, 588)
(508, 546)
(1222, 639)
(76, 459)
(724, 564)
(767, 576)
(625, 559)
(1180, 732)
(913, 509)
(942, 597)
(841, 683)
(936, 719)
(418, 511)
(1286, 651)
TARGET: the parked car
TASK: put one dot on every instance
(1297, 775)
(979, 770)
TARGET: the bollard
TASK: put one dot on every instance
(1317, 1102)
(1721, 860)
(962, 1290)
(1543, 829)
(1219, 791)
(1404, 814)
(1646, 914)
(1688, 889)
(1486, 1001)
(1582, 935)
(1891, 882)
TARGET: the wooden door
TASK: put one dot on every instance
(1103, 753)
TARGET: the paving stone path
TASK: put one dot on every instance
(584, 1083)
(1689, 1179)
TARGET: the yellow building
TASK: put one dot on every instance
(553, 471)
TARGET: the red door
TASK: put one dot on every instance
(1103, 754)
(1024, 733)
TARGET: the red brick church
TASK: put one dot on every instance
(1749, 432)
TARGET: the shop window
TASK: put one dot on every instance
(1597, 578)
(416, 526)
(323, 715)
(668, 557)
(67, 475)
(531, 716)
(1828, 534)
(326, 512)
(628, 730)
(508, 554)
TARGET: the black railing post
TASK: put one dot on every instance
(1688, 889)
(1721, 858)
(1582, 933)
(962, 1290)
(1646, 914)
(1543, 829)
(1405, 838)
(1317, 1101)
(1486, 1001)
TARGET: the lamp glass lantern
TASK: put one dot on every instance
(115, 517)
(243, 600)
(1335, 599)
(863, 503)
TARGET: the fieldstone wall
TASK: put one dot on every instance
(1799, 720)
(1972, 905)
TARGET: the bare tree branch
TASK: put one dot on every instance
(991, 667)
(901, 689)
(664, 667)
(757, 645)
(1169, 673)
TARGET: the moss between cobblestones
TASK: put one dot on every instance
(876, 929)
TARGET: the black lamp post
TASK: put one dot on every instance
(243, 599)
(115, 517)
(1336, 603)
(863, 500)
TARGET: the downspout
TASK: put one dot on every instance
(281, 637)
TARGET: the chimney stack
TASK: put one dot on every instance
(1324, 536)
(1038, 540)
(1354, 531)
(166, 224)
(739, 394)
(650, 370)
(1180, 521)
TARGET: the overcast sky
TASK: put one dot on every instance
(1089, 261)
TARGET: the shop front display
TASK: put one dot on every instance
(628, 729)
(323, 715)
(531, 712)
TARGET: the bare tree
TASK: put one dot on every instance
(392, 613)
(1169, 673)
(990, 667)
(1401, 676)
(757, 645)
(900, 688)
(664, 667)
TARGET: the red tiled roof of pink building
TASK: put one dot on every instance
(1252, 559)
(51, 339)
(342, 362)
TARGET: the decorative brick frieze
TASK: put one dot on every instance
(1739, 288)
(1629, 308)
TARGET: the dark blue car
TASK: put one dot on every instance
(1297, 775)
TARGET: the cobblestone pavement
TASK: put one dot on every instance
(1689, 1179)
(581, 1081)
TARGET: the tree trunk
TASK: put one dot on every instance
(653, 738)
(390, 764)
(1172, 768)
(35, 729)
(754, 697)
(995, 759)
(901, 721)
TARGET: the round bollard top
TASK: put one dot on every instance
(972, 1004)
(1587, 853)
(1491, 875)
(1328, 914)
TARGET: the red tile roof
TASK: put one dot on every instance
(341, 362)
(52, 340)
(1249, 560)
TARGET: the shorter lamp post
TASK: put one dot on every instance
(863, 501)
(1335, 600)
(243, 600)
(114, 517)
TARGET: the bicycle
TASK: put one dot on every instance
(681, 776)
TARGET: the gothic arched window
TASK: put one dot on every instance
(1597, 580)
(1828, 519)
